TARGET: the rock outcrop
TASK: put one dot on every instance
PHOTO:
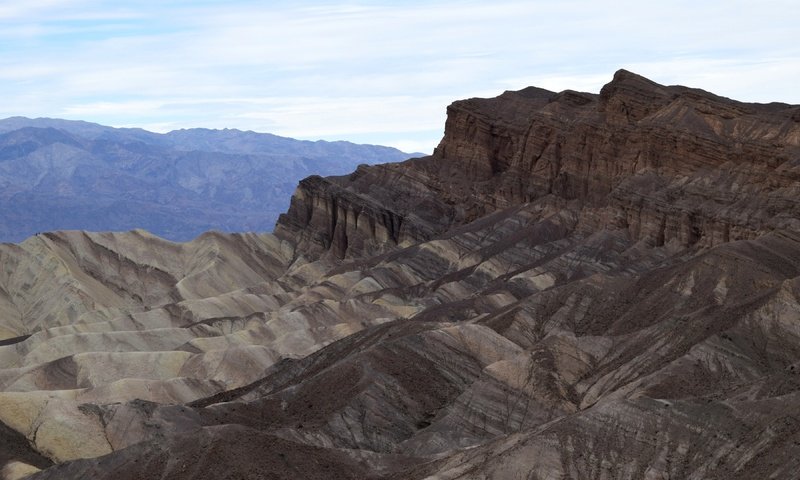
(572, 286)
(668, 164)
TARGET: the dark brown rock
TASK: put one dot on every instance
(670, 164)
(572, 286)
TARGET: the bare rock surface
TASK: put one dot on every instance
(573, 285)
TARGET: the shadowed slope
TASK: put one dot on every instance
(572, 286)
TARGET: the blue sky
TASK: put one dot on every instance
(369, 72)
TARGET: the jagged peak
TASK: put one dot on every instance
(623, 75)
(631, 97)
(626, 81)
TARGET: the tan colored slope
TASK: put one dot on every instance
(532, 350)
(620, 363)
(71, 278)
(572, 286)
(155, 321)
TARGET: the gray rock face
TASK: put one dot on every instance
(58, 174)
(572, 286)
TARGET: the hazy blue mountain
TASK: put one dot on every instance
(62, 174)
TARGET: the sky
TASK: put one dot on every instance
(376, 72)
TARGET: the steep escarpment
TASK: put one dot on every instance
(669, 164)
(574, 285)
(324, 216)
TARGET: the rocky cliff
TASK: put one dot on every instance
(670, 165)
(572, 286)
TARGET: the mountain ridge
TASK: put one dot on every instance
(516, 166)
(83, 127)
(572, 286)
(57, 174)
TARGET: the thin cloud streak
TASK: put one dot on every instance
(369, 70)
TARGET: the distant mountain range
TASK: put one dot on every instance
(573, 286)
(63, 174)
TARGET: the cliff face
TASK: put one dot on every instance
(572, 286)
(670, 165)
(324, 216)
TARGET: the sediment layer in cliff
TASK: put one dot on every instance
(573, 286)
(668, 164)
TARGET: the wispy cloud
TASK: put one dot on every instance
(11, 10)
(375, 71)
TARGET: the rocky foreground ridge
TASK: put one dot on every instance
(571, 286)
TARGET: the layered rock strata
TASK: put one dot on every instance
(666, 164)
(572, 286)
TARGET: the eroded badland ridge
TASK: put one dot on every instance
(571, 286)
